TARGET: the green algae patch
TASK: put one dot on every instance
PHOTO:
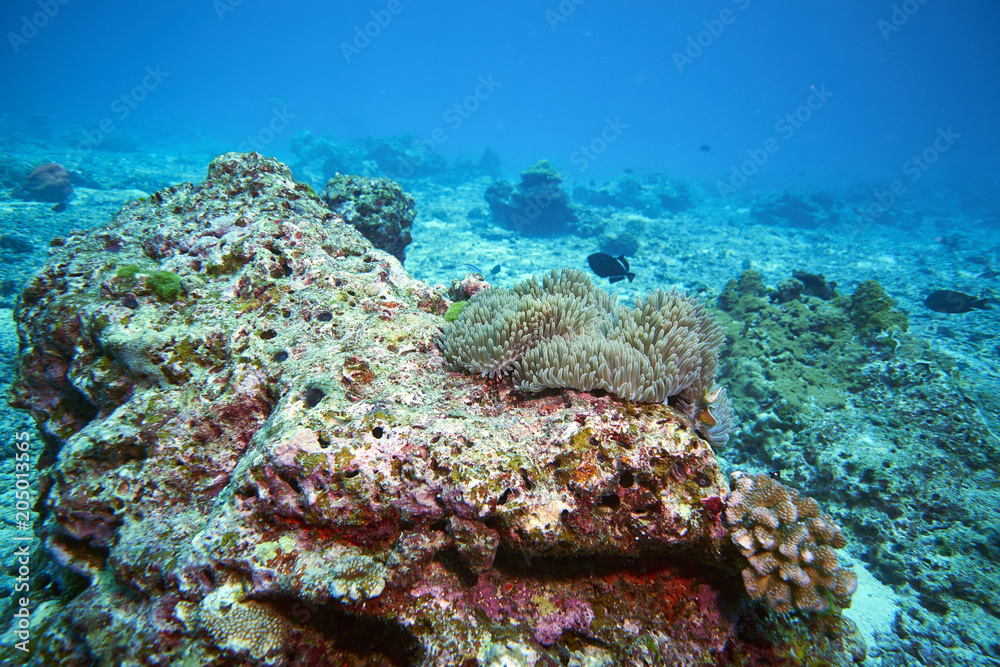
(311, 461)
(307, 189)
(166, 285)
(454, 311)
(128, 271)
(874, 312)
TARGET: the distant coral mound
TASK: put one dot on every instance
(47, 183)
(537, 206)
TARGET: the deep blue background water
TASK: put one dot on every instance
(229, 68)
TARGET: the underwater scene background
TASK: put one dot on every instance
(523, 333)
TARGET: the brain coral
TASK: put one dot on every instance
(789, 545)
(566, 333)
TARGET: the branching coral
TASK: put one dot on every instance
(566, 333)
(790, 547)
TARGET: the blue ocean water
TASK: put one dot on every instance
(675, 75)
(881, 114)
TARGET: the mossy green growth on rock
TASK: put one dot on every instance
(165, 284)
(785, 360)
(128, 271)
(454, 311)
(541, 172)
(745, 295)
(874, 312)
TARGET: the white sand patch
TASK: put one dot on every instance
(873, 606)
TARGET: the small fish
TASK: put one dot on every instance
(60, 207)
(948, 301)
(612, 268)
(704, 148)
(989, 274)
(476, 269)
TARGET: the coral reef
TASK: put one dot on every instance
(537, 206)
(376, 207)
(653, 195)
(276, 468)
(789, 545)
(46, 183)
(566, 333)
(816, 285)
(891, 441)
(809, 210)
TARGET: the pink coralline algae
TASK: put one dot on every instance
(268, 470)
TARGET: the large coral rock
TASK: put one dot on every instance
(376, 207)
(274, 468)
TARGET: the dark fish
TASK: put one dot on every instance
(948, 301)
(612, 268)
(704, 148)
(989, 273)
(60, 207)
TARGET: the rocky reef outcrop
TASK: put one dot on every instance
(255, 456)
(376, 207)
(536, 206)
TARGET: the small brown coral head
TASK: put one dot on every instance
(789, 545)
